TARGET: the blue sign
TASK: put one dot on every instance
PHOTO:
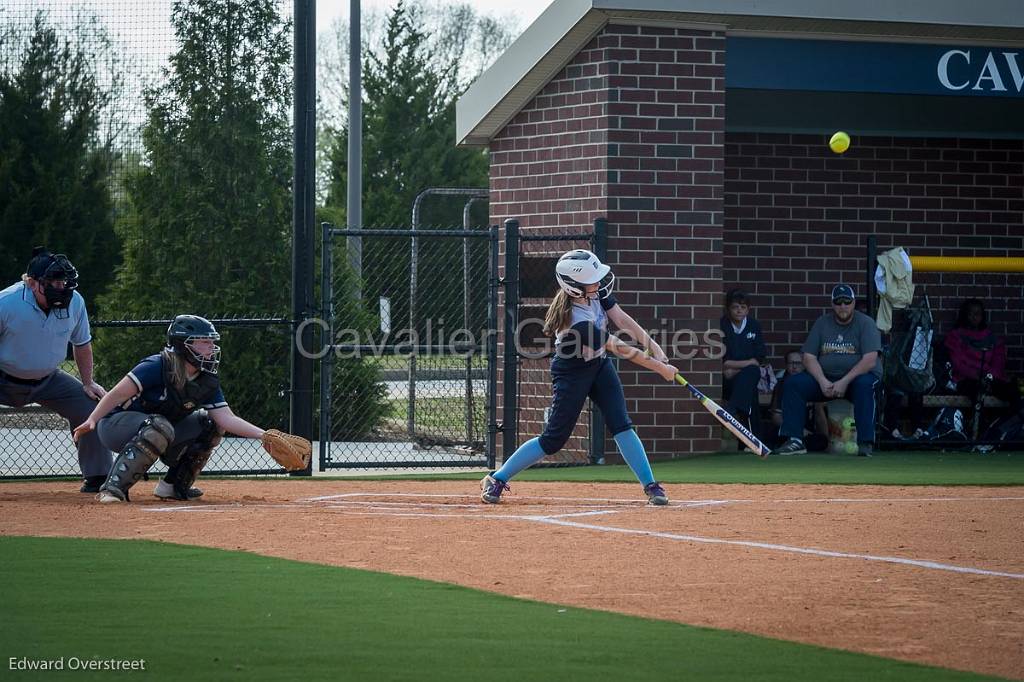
(842, 66)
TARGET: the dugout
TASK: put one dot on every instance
(699, 130)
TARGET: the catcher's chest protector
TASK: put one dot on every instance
(176, 404)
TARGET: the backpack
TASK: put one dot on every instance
(908, 360)
(947, 428)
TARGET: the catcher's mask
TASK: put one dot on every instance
(184, 331)
(578, 268)
(58, 277)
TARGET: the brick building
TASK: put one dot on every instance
(699, 130)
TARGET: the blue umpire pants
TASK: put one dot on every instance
(801, 389)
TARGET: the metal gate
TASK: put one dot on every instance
(407, 363)
(529, 286)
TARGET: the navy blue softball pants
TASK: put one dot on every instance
(572, 382)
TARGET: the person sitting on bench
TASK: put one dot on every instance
(977, 357)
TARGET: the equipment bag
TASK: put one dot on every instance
(946, 428)
(1003, 433)
(908, 360)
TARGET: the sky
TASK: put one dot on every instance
(525, 11)
(150, 19)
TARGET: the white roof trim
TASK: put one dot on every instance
(566, 26)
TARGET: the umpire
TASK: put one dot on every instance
(38, 317)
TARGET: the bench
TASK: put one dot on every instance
(959, 401)
(765, 400)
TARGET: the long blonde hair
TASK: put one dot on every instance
(559, 314)
(179, 370)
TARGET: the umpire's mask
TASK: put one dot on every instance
(58, 277)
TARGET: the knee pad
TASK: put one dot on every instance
(152, 440)
(195, 456)
(155, 435)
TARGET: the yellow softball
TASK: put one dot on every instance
(840, 142)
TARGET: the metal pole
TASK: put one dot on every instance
(413, 272)
(596, 416)
(303, 211)
(327, 362)
(870, 288)
(492, 347)
(466, 293)
(510, 407)
(355, 144)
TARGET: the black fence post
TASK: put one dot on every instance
(493, 283)
(596, 416)
(870, 291)
(510, 408)
(326, 362)
(303, 239)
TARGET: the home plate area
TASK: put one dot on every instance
(525, 507)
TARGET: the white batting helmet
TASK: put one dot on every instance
(578, 268)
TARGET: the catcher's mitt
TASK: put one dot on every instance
(291, 452)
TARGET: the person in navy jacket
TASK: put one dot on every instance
(745, 352)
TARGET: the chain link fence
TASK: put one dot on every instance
(405, 363)
(179, 199)
(36, 442)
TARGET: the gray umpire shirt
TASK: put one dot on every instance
(840, 346)
(32, 343)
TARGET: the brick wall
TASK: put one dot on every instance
(632, 129)
(798, 216)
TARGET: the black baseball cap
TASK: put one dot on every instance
(841, 291)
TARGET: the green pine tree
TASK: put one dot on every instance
(208, 226)
(54, 172)
(411, 84)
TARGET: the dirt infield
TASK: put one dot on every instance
(933, 575)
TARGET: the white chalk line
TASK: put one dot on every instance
(349, 507)
(475, 496)
(784, 548)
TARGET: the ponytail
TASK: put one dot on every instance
(179, 373)
(559, 314)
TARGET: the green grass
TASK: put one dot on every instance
(202, 614)
(442, 416)
(887, 468)
(904, 468)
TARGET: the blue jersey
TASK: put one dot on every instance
(745, 344)
(152, 388)
(587, 326)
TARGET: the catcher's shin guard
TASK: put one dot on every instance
(152, 440)
(191, 462)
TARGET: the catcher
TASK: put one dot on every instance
(170, 407)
